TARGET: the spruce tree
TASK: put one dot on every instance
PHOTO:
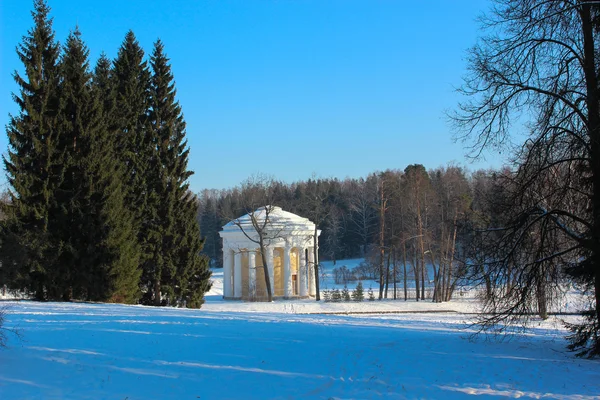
(32, 164)
(371, 294)
(104, 89)
(358, 293)
(132, 84)
(175, 266)
(336, 295)
(345, 293)
(131, 80)
(99, 257)
(75, 118)
(119, 269)
(193, 272)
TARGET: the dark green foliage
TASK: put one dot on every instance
(32, 165)
(193, 274)
(131, 79)
(104, 89)
(133, 142)
(371, 294)
(346, 294)
(77, 121)
(326, 295)
(116, 229)
(97, 254)
(174, 265)
(336, 296)
(358, 292)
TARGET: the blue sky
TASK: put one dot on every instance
(289, 88)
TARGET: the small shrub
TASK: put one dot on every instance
(345, 294)
(336, 296)
(371, 294)
(326, 295)
(358, 293)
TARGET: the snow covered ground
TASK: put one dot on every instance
(282, 350)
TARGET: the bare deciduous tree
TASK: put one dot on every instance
(538, 63)
(317, 199)
(257, 199)
(363, 205)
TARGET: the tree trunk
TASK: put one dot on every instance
(395, 274)
(436, 279)
(157, 296)
(381, 239)
(39, 291)
(452, 288)
(417, 277)
(423, 266)
(387, 275)
(509, 280)
(381, 275)
(451, 261)
(443, 282)
(316, 264)
(488, 287)
(593, 108)
(265, 268)
(422, 248)
(445, 279)
(405, 276)
(541, 299)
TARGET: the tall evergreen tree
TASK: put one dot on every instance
(176, 266)
(99, 257)
(119, 270)
(131, 80)
(74, 121)
(32, 163)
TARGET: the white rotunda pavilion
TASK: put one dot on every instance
(288, 242)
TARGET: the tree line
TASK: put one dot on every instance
(98, 206)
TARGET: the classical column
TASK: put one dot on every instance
(252, 273)
(287, 273)
(271, 267)
(312, 290)
(237, 275)
(302, 276)
(226, 271)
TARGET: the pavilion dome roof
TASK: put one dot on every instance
(277, 219)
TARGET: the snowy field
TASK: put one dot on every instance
(282, 350)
